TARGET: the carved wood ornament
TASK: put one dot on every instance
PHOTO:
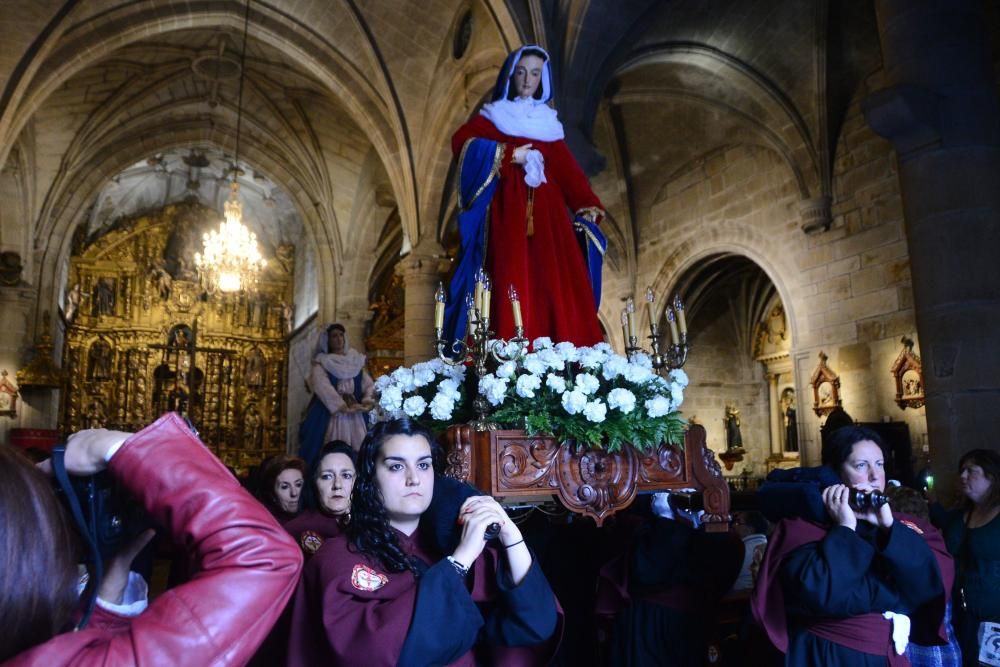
(826, 388)
(513, 466)
(908, 373)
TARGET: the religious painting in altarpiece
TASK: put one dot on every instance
(145, 337)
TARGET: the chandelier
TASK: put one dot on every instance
(230, 260)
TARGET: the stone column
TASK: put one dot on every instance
(421, 271)
(940, 111)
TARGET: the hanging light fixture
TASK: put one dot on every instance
(230, 260)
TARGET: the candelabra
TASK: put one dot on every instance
(478, 346)
(670, 356)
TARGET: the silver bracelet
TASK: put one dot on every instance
(461, 569)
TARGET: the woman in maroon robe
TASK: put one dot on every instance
(854, 590)
(531, 243)
(385, 593)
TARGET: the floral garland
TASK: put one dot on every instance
(588, 394)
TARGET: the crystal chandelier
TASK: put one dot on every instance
(230, 260)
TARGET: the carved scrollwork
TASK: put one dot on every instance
(665, 464)
(458, 453)
(594, 482)
(524, 463)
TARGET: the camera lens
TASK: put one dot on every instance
(867, 500)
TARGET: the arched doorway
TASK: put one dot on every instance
(742, 377)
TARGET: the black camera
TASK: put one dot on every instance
(105, 516)
(867, 500)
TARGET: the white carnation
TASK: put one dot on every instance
(595, 411)
(677, 397)
(604, 347)
(552, 359)
(449, 387)
(573, 401)
(506, 369)
(414, 406)
(567, 351)
(642, 359)
(678, 376)
(404, 378)
(638, 374)
(587, 383)
(423, 375)
(658, 406)
(541, 343)
(622, 400)
(533, 364)
(382, 382)
(493, 388)
(591, 357)
(391, 399)
(615, 365)
(442, 407)
(527, 384)
(555, 382)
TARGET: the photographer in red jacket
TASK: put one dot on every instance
(247, 564)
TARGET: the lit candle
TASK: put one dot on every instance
(625, 328)
(515, 304)
(630, 317)
(681, 319)
(674, 338)
(650, 297)
(471, 307)
(478, 303)
(487, 292)
(439, 307)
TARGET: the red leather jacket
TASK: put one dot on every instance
(249, 565)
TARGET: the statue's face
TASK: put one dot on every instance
(527, 75)
(335, 341)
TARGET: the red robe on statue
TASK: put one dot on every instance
(542, 259)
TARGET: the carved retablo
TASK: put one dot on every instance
(143, 337)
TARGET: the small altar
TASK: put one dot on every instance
(516, 468)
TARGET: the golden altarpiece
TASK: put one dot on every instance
(144, 337)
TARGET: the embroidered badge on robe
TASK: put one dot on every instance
(366, 579)
(912, 526)
(310, 541)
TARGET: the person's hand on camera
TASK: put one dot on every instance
(116, 576)
(880, 516)
(836, 499)
(475, 515)
(87, 451)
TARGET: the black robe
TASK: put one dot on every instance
(816, 574)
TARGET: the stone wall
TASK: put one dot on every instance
(847, 291)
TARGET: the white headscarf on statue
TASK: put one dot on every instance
(344, 366)
(524, 116)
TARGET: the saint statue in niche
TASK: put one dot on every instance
(254, 373)
(99, 361)
(253, 428)
(104, 297)
(791, 422)
(73, 298)
(734, 439)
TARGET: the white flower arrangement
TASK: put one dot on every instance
(588, 394)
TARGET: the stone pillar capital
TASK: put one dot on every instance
(815, 213)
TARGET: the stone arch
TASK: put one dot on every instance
(742, 240)
(748, 95)
(116, 157)
(372, 110)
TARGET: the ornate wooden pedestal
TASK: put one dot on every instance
(516, 468)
